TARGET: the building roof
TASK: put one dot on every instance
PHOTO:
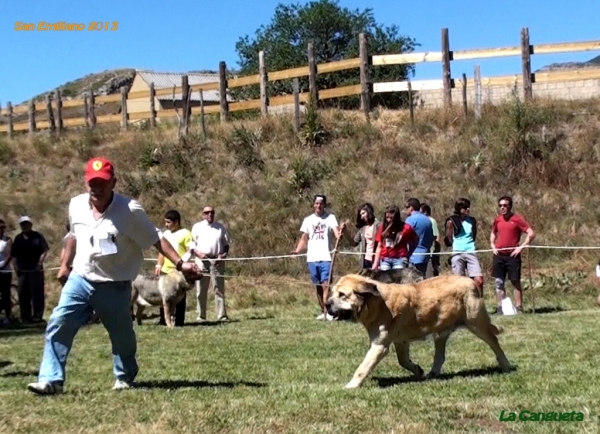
(166, 80)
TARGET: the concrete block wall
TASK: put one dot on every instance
(570, 90)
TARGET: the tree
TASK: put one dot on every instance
(334, 32)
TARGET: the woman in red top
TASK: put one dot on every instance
(396, 241)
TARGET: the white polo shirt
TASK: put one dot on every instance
(110, 248)
(210, 239)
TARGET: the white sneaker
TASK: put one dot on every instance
(320, 317)
(329, 317)
(122, 385)
(45, 388)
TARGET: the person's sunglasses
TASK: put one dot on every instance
(503, 205)
(207, 212)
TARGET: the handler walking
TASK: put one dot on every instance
(110, 232)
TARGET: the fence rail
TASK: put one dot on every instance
(365, 62)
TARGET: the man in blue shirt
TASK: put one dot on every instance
(424, 229)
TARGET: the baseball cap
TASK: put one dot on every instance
(99, 168)
(24, 219)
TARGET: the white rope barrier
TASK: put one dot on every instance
(345, 252)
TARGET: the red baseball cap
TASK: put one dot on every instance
(99, 168)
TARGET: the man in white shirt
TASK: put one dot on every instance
(210, 241)
(110, 232)
(317, 230)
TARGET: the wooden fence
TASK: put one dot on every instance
(365, 62)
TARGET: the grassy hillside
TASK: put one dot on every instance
(260, 176)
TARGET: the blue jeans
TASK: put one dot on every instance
(319, 272)
(392, 263)
(111, 301)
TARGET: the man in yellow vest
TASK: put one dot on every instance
(179, 238)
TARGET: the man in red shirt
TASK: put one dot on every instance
(505, 239)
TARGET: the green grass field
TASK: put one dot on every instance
(275, 369)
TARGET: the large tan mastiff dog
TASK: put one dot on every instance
(402, 313)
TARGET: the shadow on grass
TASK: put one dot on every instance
(5, 363)
(545, 309)
(31, 373)
(196, 384)
(210, 323)
(469, 373)
(22, 330)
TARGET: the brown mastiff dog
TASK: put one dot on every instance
(398, 314)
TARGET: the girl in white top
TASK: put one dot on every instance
(5, 272)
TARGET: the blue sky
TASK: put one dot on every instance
(188, 35)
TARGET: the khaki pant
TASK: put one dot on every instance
(217, 281)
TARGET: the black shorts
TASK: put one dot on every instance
(504, 265)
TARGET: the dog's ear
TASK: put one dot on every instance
(366, 288)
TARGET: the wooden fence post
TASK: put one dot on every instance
(86, 109)
(185, 102)
(446, 74)
(92, 108)
(411, 105)
(31, 116)
(202, 120)
(152, 106)
(9, 113)
(50, 113)
(312, 74)
(365, 81)
(124, 117)
(223, 91)
(464, 94)
(59, 116)
(262, 71)
(477, 82)
(296, 86)
(526, 58)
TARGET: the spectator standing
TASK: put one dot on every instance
(318, 231)
(210, 243)
(424, 230)
(396, 241)
(110, 232)
(29, 251)
(5, 273)
(367, 225)
(181, 239)
(461, 234)
(505, 238)
(437, 240)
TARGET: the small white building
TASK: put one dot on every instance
(166, 80)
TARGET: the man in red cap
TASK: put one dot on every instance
(109, 234)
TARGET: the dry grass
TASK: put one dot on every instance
(276, 369)
(260, 175)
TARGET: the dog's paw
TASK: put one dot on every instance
(352, 385)
(431, 375)
(420, 373)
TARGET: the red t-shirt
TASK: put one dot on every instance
(508, 232)
(399, 250)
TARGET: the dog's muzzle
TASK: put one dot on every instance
(338, 314)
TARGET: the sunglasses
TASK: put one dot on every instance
(207, 212)
(503, 205)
